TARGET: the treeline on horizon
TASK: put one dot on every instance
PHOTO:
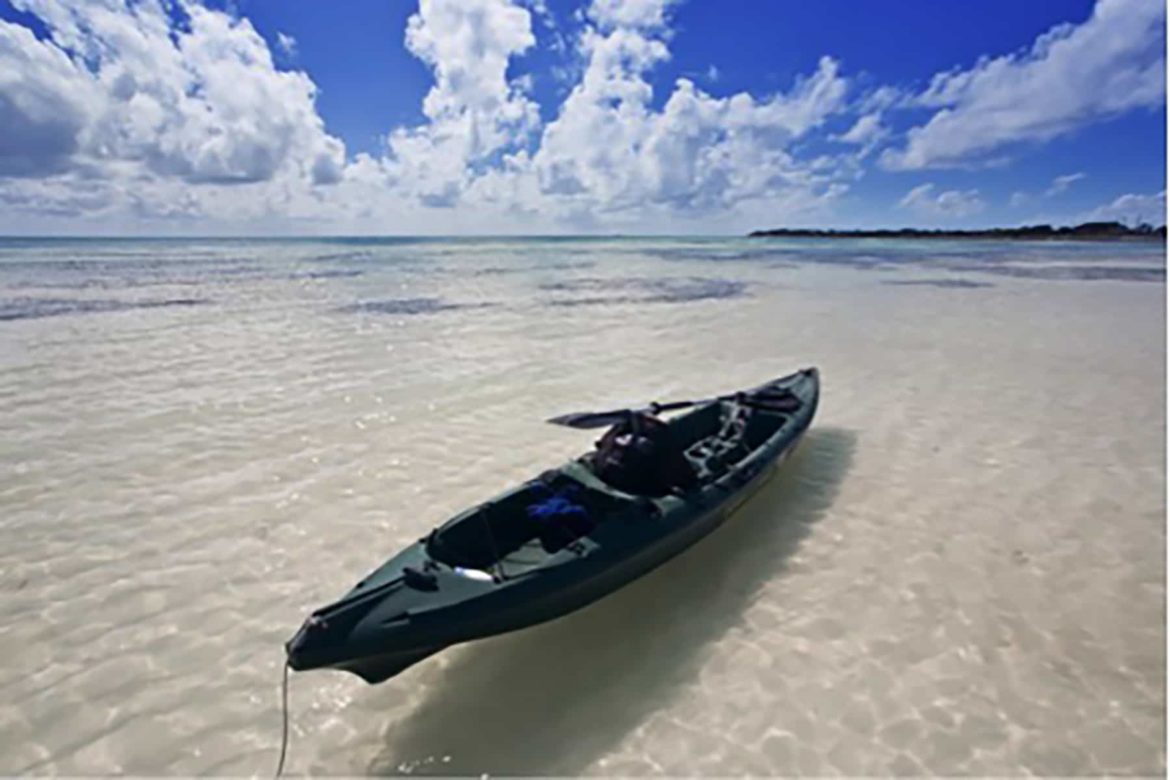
(1087, 230)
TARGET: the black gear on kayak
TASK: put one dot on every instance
(640, 456)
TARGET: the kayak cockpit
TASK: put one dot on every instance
(523, 528)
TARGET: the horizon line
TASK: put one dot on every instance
(513, 236)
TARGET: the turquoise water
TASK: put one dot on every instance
(56, 277)
(962, 571)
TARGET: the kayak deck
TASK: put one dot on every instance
(714, 439)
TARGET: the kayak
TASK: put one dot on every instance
(559, 541)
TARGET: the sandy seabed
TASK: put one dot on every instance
(961, 572)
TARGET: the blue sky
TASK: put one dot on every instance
(550, 116)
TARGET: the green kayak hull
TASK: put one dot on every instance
(484, 573)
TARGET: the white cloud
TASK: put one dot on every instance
(1132, 209)
(870, 130)
(1062, 183)
(635, 14)
(194, 122)
(287, 44)
(883, 98)
(609, 150)
(128, 117)
(867, 132)
(1059, 185)
(608, 157)
(119, 90)
(126, 113)
(46, 102)
(473, 110)
(540, 8)
(951, 203)
(1071, 76)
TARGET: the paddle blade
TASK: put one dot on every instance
(606, 419)
(588, 420)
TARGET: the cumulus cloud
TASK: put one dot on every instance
(951, 203)
(634, 14)
(168, 112)
(608, 155)
(609, 149)
(1071, 76)
(45, 105)
(187, 107)
(473, 111)
(120, 89)
(178, 104)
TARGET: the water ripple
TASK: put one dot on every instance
(35, 308)
(918, 593)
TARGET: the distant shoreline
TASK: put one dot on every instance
(1089, 231)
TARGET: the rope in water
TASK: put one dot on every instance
(284, 728)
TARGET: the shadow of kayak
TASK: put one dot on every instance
(550, 700)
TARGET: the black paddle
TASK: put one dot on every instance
(783, 401)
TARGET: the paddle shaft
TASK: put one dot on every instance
(601, 419)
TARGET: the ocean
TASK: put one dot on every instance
(962, 571)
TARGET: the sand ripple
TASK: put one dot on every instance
(961, 572)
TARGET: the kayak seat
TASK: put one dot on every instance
(478, 539)
(538, 518)
(698, 426)
(642, 456)
(530, 555)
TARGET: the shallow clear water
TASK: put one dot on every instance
(962, 571)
